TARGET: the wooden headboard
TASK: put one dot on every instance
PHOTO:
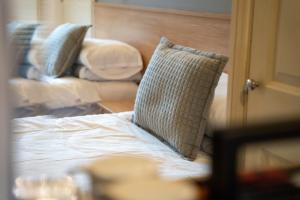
(143, 27)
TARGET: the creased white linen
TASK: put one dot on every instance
(54, 146)
(69, 91)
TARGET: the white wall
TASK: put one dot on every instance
(78, 11)
(53, 11)
(24, 10)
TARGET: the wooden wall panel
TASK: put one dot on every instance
(143, 27)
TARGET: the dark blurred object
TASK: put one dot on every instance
(281, 184)
(227, 183)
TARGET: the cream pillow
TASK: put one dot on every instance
(110, 59)
(83, 72)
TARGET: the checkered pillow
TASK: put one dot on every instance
(175, 94)
(21, 34)
(62, 47)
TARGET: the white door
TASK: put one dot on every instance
(275, 66)
(275, 61)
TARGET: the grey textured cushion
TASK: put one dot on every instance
(62, 47)
(207, 145)
(21, 34)
(175, 94)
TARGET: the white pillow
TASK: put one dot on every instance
(83, 72)
(35, 54)
(110, 59)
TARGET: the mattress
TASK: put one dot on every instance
(69, 91)
(45, 145)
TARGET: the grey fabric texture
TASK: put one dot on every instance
(29, 72)
(175, 95)
(207, 145)
(21, 34)
(62, 47)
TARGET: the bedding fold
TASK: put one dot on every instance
(54, 146)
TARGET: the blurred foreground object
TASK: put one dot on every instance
(46, 188)
(231, 179)
(133, 177)
(157, 189)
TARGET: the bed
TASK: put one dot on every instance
(55, 145)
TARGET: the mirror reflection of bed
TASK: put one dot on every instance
(70, 120)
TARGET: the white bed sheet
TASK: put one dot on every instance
(69, 91)
(54, 146)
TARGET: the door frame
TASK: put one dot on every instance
(240, 52)
(6, 165)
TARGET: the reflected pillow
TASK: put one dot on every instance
(175, 95)
(21, 34)
(62, 47)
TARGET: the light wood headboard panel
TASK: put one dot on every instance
(143, 27)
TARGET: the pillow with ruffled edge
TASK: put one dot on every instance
(110, 59)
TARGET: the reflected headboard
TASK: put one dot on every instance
(143, 27)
